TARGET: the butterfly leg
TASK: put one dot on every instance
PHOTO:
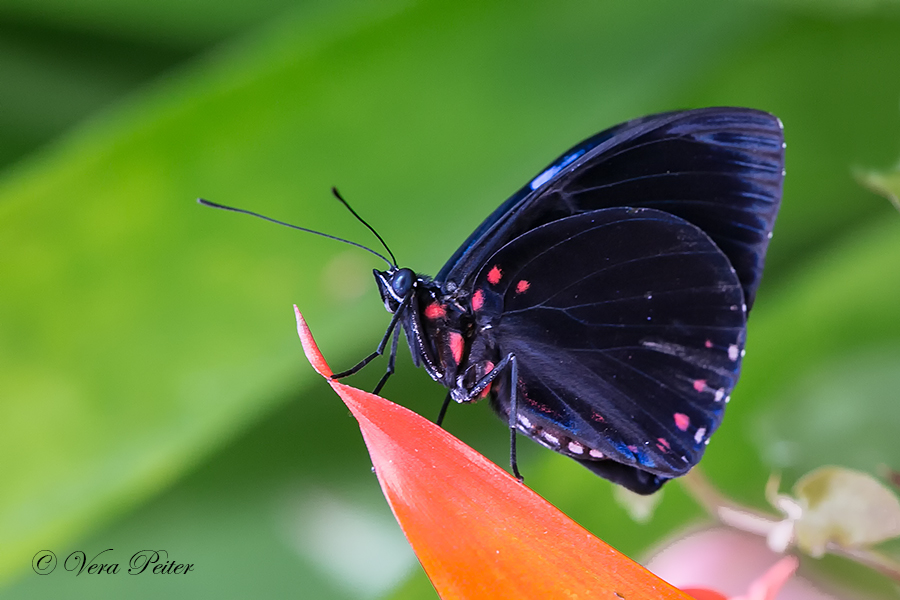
(378, 351)
(443, 412)
(391, 361)
(513, 415)
(508, 361)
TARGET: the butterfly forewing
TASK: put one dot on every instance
(718, 168)
(628, 328)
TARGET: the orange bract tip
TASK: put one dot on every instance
(310, 348)
(477, 531)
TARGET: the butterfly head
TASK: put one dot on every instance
(395, 286)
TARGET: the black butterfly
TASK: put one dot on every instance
(613, 289)
(603, 306)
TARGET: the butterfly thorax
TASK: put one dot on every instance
(441, 331)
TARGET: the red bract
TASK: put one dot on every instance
(477, 531)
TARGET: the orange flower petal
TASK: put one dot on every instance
(477, 531)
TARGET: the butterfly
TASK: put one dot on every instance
(602, 308)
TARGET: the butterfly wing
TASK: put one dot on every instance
(628, 330)
(718, 168)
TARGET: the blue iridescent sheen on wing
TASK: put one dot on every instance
(718, 168)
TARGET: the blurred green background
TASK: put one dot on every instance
(153, 394)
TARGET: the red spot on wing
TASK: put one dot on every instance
(494, 275)
(699, 384)
(456, 346)
(597, 416)
(663, 444)
(522, 286)
(708, 344)
(487, 390)
(682, 421)
(477, 300)
(435, 311)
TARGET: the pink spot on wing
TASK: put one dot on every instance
(708, 344)
(456, 346)
(632, 448)
(477, 300)
(522, 286)
(663, 444)
(494, 275)
(597, 416)
(682, 421)
(699, 384)
(435, 311)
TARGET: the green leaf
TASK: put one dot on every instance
(165, 23)
(844, 507)
(139, 330)
(884, 183)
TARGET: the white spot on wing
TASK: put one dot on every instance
(576, 448)
(733, 352)
(699, 435)
(596, 453)
(550, 438)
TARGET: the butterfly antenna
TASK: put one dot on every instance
(337, 195)
(271, 220)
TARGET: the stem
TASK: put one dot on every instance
(722, 508)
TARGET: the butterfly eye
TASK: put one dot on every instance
(402, 282)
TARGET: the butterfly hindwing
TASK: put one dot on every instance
(628, 329)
